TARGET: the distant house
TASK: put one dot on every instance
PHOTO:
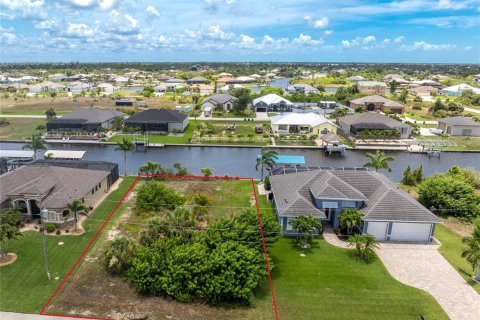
(228, 87)
(106, 88)
(78, 87)
(371, 87)
(356, 123)
(392, 76)
(302, 88)
(85, 119)
(429, 83)
(158, 120)
(245, 79)
(356, 78)
(376, 103)
(202, 89)
(225, 80)
(301, 123)
(164, 77)
(52, 185)
(58, 77)
(459, 126)
(272, 102)
(455, 91)
(173, 80)
(224, 100)
(198, 80)
(124, 103)
(423, 91)
(121, 79)
(225, 74)
(389, 213)
(45, 87)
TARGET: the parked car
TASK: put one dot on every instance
(258, 129)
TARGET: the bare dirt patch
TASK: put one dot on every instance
(11, 257)
(461, 228)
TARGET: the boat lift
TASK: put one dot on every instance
(434, 147)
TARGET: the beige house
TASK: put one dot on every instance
(376, 103)
(301, 123)
(371, 87)
(33, 188)
(459, 126)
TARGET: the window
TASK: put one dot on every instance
(324, 131)
(289, 227)
(65, 213)
(96, 188)
(93, 191)
(100, 185)
(283, 127)
(83, 200)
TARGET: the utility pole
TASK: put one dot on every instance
(44, 215)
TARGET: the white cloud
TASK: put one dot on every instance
(7, 16)
(28, 8)
(451, 5)
(7, 36)
(306, 40)
(122, 24)
(449, 22)
(45, 24)
(91, 4)
(386, 41)
(346, 44)
(153, 11)
(328, 32)
(399, 39)
(79, 30)
(321, 23)
(246, 41)
(369, 39)
(422, 45)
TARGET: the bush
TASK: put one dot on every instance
(155, 196)
(67, 230)
(50, 227)
(58, 232)
(119, 255)
(266, 183)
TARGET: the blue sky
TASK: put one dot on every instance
(240, 30)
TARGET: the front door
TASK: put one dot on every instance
(35, 210)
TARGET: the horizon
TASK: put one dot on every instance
(354, 31)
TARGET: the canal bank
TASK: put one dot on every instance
(236, 161)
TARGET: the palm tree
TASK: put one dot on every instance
(7, 233)
(149, 167)
(356, 241)
(349, 219)
(267, 159)
(378, 161)
(48, 156)
(364, 245)
(472, 254)
(306, 225)
(35, 144)
(76, 207)
(126, 145)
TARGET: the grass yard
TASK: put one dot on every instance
(232, 115)
(463, 143)
(328, 283)
(162, 139)
(420, 115)
(24, 284)
(20, 128)
(295, 143)
(452, 248)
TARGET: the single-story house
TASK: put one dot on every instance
(158, 120)
(197, 80)
(302, 88)
(224, 100)
(173, 80)
(164, 77)
(423, 91)
(52, 185)
(78, 87)
(107, 88)
(272, 102)
(390, 214)
(459, 126)
(426, 82)
(455, 91)
(356, 123)
(371, 87)
(57, 77)
(121, 79)
(374, 103)
(85, 119)
(356, 78)
(225, 74)
(202, 89)
(228, 87)
(225, 80)
(245, 79)
(392, 76)
(45, 87)
(301, 123)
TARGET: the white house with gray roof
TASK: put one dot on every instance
(225, 101)
(390, 214)
(459, 126)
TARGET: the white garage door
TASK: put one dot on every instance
(378, 229)
(410, 232)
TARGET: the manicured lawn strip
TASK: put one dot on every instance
(330, 284)
(452, 248)
(463, 143)
(161, 139)
(20, 128)
(24, 285)
(232, 115)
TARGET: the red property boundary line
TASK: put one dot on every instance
(99, 231)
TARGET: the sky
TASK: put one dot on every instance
(421, 31)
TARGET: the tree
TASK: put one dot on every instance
(472, 254)
(51, 114)
(339, 112)
(364, 245)
(76, 207)
(154, 196)
(181, 170)
(404, 95)
(378, 161)
(349, 219)
(48, 156)
(266, 159)
(207, 172)
(149, 167)
(117, 123)
(126, 146)
(341, 94)
(243, 99)
(408, 178)
(393, 86)
(36, 143)
(8, 232)
(119, 255)
(306, 225)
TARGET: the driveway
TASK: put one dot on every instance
(423, 267)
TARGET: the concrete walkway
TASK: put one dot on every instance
(472, 110)
(422, 266)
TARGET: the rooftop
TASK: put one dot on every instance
(155, 115)
(311, 119)
(459, 121)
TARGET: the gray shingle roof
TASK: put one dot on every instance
(58, 185)
(371, 117)
(219, 99)
(384, 201)
(459, 121)
(377, 99)
(88, 115)
(156, 115)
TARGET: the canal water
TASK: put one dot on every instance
(241, 161)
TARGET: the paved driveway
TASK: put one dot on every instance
(423, 267)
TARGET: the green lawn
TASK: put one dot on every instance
(24, 285)
(20, 128)
(463, 143)
(420, 117)
(328, 283)
(452, 248)
(162, 139)
(232, 115)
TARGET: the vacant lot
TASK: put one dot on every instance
(20, 128)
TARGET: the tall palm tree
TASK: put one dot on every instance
(36, 143)
(267, 159)
(76, 207)
(349, 219)
(378, 160)
(149, 167)
(126, 145)
(472, 254)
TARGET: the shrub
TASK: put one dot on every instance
(50, 227)
(58, 232)
(67, 230)
(119, 255)
(267, 184)
(155, 196)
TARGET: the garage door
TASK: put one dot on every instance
(410, 232)
(378, 229)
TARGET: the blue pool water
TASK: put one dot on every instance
(287, 159)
